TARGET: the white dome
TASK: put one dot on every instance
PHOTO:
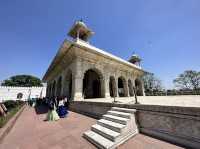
(81, 23)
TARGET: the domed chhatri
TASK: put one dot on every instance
(135, 59)
(80, 31)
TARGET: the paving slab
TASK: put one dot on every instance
(32, 132)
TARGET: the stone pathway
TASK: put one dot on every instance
(180, 101)
(32, 132)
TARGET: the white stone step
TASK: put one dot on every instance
(123, 110)
(106, 132)
(116, 119)
(98, 140)
(120, 114)
(111, 125)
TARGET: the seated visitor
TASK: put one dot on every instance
(33, 102)
(2, 111)
(62, 110)
(29, 102)
(4, 108)
(66, 102)
(52, 114)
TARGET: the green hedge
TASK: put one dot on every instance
(10, 104)
(13, 107)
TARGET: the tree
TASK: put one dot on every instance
(151, 83)
(189, 79)
(22, 81)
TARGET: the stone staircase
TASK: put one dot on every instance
(115, 127)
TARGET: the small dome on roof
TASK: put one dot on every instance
(80, 30)
(81, 23)
(135, 58)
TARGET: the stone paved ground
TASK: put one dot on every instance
(32, 132)
(181, 100)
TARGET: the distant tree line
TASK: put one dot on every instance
(152, 85)
(186, 83)
(22, 81)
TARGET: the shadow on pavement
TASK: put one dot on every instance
(41, 109)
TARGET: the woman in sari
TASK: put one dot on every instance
(52, 114)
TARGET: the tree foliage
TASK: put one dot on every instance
(22, 81)
(189, 79)
(151, 83)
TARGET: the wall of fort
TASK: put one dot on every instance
(13, 93)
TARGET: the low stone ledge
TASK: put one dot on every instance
(190, 111)
(94, 110)
(177, 140)
(9, 125)
(193, 111)
(179, 125)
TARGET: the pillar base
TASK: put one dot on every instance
(78, 97)
(107, 95)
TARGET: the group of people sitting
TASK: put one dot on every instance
(58, 108)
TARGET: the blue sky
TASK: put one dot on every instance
(166, 34)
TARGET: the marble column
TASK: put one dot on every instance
(127, 88)
(117, 92)
(63, 85)
(77, 80)
(106, 86)
(77, 87)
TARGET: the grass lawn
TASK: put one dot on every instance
(10, 114)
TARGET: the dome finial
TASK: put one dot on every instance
(135, 59)
(80, 31)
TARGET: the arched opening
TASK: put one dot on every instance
(112, 87)
(92, 84)
(122, 91)
(130, 86)
(53, 88)
(138, 87)
(68, 85)
(19, 96)
(59, 86)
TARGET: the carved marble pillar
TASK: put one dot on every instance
(106, 86)
(143, 90)
(117, 92)
(127, 88)
(46, 90)
(77, 87)
(54, 88)
(63, 85)
(77, 81)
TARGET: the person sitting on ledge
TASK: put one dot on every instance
(3, 110)
(62, 110)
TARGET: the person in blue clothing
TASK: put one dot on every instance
(62, 110)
